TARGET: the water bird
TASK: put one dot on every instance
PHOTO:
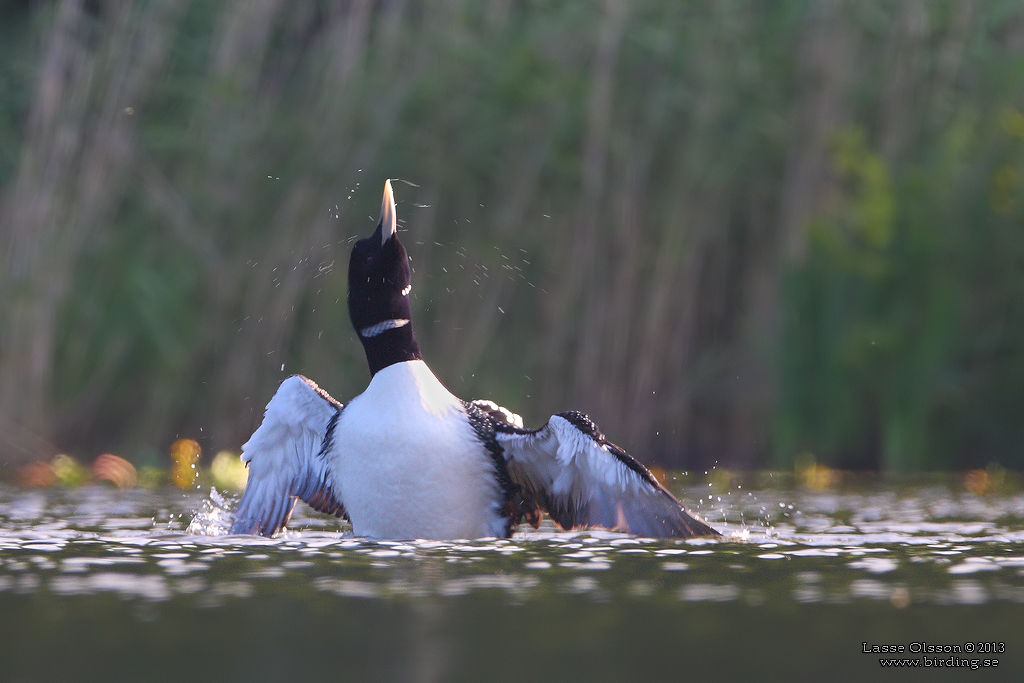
(407, 459)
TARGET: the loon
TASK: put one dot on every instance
(406, 459)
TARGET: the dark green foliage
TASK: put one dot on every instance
(730, 231)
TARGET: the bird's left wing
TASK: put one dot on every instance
(286, 459)
(581, 479)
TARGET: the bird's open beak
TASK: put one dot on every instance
(388, 225)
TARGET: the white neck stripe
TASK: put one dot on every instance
(374, 330)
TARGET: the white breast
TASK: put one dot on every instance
(408, 463)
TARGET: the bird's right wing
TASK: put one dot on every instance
(286, 459)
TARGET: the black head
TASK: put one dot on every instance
(379, 282)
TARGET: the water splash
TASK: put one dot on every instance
(214, 516)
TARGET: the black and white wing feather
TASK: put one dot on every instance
(285, 457)
(581, 479)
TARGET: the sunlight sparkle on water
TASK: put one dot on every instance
(914, 544)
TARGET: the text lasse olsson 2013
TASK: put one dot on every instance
(922, 647)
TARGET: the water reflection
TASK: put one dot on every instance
(148, 583)
(926, 545)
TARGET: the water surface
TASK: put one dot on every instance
(99, 584)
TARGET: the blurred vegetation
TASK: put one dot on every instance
(226, 472)
(735, 232)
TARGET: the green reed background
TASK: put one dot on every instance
(735, 232)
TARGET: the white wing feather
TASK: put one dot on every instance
(285, 459)
(582, 480)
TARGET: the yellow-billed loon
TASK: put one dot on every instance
(407, 459)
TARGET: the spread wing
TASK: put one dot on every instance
(286, 459)
(581, 479)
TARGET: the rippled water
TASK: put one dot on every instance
(102, 584)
